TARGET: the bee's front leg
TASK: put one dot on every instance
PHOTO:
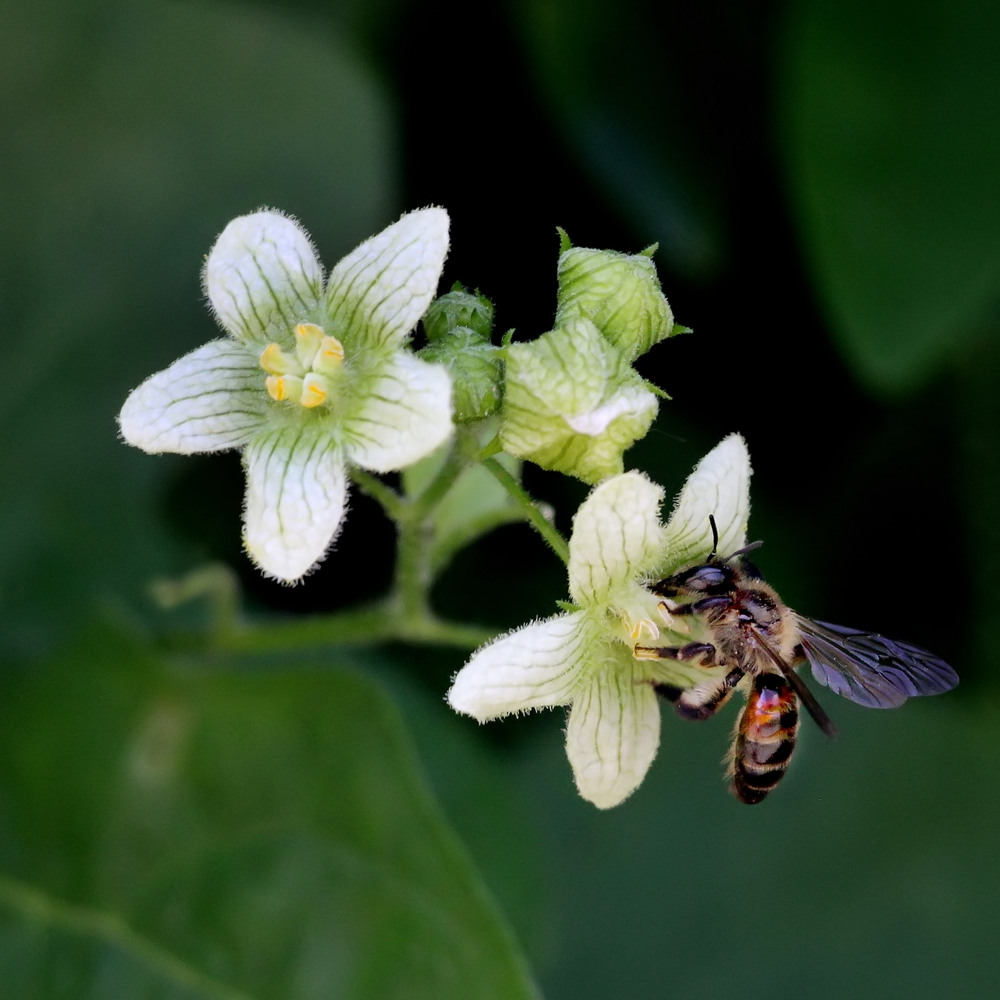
(704, 651)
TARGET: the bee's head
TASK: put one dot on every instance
(707, 579)
(714, 576)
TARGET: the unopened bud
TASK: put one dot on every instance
(474, 367)
(619, 293)
(459, 308)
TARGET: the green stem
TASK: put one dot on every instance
(371, 625)
(389, 500)
(453, 467)
(538, 520)
(215, 583)
(413, 579)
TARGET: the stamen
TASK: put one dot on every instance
(308, 337)
(644, 627)
(329, 357)
(678, 624)
(284, 387)
(276, 362)
(314, 390)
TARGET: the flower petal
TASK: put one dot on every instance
(296, 495)
(262, 277)
(404, 415)
(719, 485)
(572, 403)
(617, 536)
(378, 292)
(535, 666)
(613, 732)
(208, 400)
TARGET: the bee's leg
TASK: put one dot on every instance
(693, 650)
(704, 700)
(699, 607)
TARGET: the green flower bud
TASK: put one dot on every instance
(459, 308)
(474, 367)
(572, 403)
(620, 293)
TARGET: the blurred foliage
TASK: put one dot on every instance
(892, 163)
(190, 831)
(821, 179)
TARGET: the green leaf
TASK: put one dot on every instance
(890, 113)
(133, 133)
(184, 832)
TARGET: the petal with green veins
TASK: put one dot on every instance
(295, 500)
(613, 731)
(379, 291)
(536, 666)
(617, 536)
(572, 403)
(208, 400)
(262, 277)
(720, 486)
(404, 415)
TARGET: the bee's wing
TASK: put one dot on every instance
(870, 669)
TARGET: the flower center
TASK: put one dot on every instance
(305, 377)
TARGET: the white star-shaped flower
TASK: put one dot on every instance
(586, 658)
(314, 376)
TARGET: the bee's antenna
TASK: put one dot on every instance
(746, 549)
(715, 544)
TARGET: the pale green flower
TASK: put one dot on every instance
(573, 403)
(313, 378)
(586, 658)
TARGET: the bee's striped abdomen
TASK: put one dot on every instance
(765, 737)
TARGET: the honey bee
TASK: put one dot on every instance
(762, 641)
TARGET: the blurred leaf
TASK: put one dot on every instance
(185, 833)
(890, 116)
(868, 873)
(602, 68)
(131, 135)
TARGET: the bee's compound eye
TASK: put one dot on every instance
(707, 578)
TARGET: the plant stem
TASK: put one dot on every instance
(366, 626)
(452, 468)
(389, 500)
(538, 520)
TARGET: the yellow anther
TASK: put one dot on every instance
(329, 357)
(645, 627)
(675, 624)
(308, 337)
(314, 390)
(275, 361)
(284, 387)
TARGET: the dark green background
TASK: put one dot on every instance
(822, 180)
